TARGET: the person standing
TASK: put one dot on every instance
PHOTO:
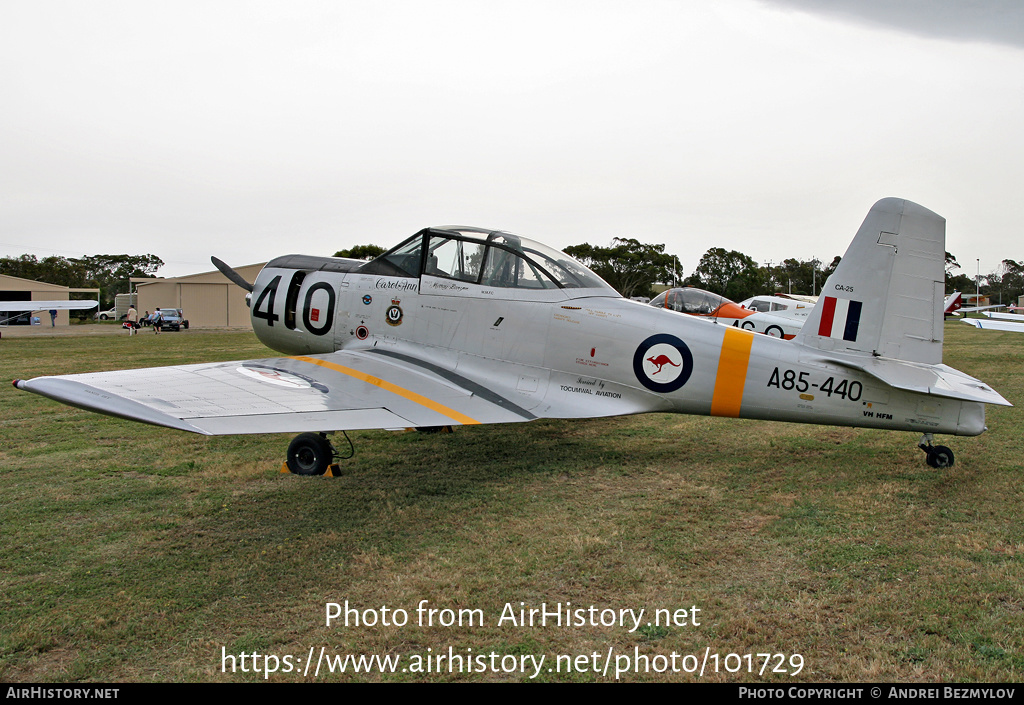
(133, 320)
(155, 318)
(53, 318)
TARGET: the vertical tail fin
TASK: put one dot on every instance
(886, 296)
(953, 303)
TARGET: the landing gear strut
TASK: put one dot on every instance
(938, 456)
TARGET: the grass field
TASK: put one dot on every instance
(133, 553)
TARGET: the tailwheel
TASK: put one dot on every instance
(310, 454)
(940, 457)
(937, 456)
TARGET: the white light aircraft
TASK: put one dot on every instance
(1013, 322)
(782, 302)
(998, 315)
(955, 305)
(460, 325)
(20, 308)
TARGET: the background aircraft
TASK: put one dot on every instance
(777, 315)
(9, 310)
(459, 325)
(1012, 322)
(954, 305)
(778, 322)
(779, 302)
(1015, 317)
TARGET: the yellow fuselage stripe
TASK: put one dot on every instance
(732, 372)
(394, 388)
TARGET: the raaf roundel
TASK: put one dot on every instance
(460, 325)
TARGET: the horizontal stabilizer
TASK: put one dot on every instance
(938, 380)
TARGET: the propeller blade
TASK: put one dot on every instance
(231, 274)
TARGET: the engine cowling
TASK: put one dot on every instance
(294, 305)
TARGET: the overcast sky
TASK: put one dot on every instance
(247, 129)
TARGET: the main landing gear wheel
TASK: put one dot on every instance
(937, 456)
(310, 454)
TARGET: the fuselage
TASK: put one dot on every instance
(581, 352)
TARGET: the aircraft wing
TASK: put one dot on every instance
(335, 391)
(6, 306)
(1013, 317)
(989, 324)
(975, 309)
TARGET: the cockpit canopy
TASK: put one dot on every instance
(487, 258)
(696, 302)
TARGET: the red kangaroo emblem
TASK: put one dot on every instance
(660, 362)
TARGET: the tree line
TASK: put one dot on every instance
(634, 268)
(737, 276)
(1002, 286)
(631, 267)
(108, 273)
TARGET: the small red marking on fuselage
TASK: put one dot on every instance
(660, 362)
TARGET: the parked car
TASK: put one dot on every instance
(172, 319)
(106, 315)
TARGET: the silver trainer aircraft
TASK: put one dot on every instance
(460, 325)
